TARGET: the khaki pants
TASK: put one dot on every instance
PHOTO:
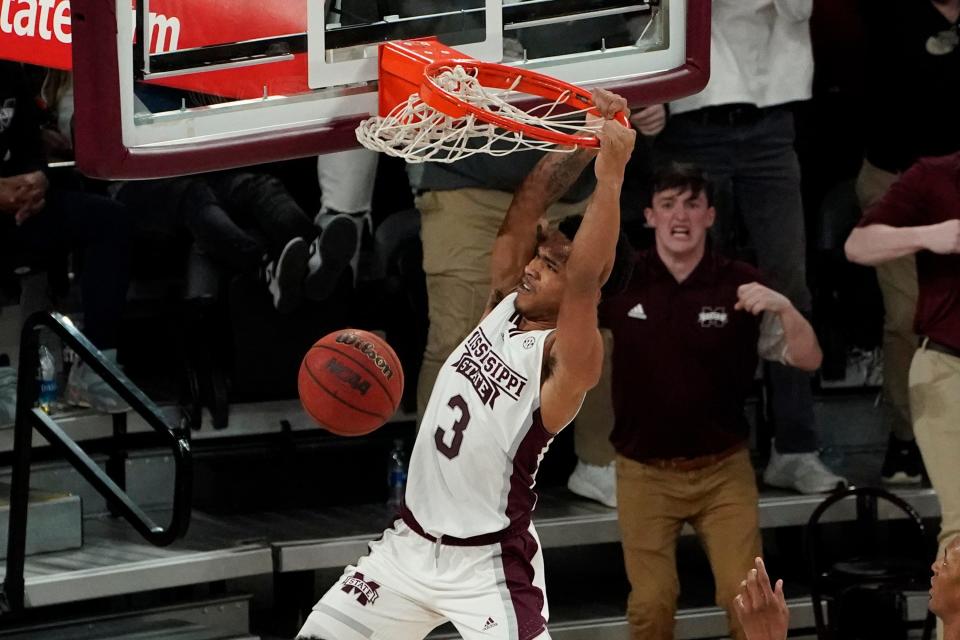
(720, 502)
(898, 285)
(457, 229)
(935, 405)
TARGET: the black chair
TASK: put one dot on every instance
(873, 565)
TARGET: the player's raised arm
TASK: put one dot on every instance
(516, 240)
(577, 350)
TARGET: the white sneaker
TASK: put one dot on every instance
(85, 388)
(8, 396)
(285, 275)
(801, 472)
(595, 482)
(864, 369)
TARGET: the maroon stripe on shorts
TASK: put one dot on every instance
(527, 599)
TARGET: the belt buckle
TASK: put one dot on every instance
(675, 464)
(664, 464)
(679, 464)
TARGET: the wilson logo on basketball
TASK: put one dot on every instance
(368, 350)
(348, 376)
(345, 392)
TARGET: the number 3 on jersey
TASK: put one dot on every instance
(452, 450)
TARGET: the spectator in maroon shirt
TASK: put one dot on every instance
(911, 50)
(687, 334)
(920, 215)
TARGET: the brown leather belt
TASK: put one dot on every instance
(693, 464)
(939, 347)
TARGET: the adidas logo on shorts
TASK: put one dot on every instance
(490, 624)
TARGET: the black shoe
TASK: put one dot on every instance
(332, 253)
(284, 276)
(902, 464)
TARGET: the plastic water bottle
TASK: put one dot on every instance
(397, 475)
(48, 380)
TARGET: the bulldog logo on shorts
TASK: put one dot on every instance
(365, 590)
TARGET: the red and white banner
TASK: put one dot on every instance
(38, 32)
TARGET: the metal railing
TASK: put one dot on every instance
(28, 419)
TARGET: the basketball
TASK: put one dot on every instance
(350, 382)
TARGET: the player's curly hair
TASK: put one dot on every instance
(623, 260)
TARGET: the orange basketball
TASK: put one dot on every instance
(350, 382)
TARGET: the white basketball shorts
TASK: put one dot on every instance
(407, 585)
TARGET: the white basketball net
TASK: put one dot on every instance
(417, 132)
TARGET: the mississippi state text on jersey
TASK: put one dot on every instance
(481, 440)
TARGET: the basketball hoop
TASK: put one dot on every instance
(439, 105)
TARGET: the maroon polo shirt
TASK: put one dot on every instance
(928, 193)
(683, 359)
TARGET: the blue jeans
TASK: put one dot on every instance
(756, 175)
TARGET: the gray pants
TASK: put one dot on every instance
(755, 171)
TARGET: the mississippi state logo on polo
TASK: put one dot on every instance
(712, 317)
(365, 590)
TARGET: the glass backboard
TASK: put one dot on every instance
(169, 87)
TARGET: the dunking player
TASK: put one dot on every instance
(465, 549)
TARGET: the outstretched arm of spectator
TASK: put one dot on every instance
(761, 610)
(906, 220)
(799, 347)
(878, 243)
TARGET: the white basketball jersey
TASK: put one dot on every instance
(481, 440)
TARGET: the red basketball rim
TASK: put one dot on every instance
(497, 76)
